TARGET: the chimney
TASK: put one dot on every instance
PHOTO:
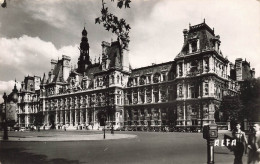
(53, 64)
(65, 66)
(185, 33)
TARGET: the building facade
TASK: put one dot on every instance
(185, 92)
(28, 100)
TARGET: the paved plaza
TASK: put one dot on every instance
(69, 147)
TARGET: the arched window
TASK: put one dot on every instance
(112, 79)
(97, 82)
(118, 79)
(130, 82)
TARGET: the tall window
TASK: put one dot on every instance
(156, 78)
(206, 64)
(194, 46)
(180, 91)
(118, 79)
(192, 91)
(142, 80)
(180, 69)
(112, 79)
(163, 77)
(206, 88)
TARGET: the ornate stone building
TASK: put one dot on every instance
(184, 92)
(28, 100)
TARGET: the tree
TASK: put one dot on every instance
(38, 120)
(232, 108)
(250, 97)
(114, 24)
(4, 4)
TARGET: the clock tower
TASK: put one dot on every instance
(84, 60)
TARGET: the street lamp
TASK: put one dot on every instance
(5, 137)
(12, 97)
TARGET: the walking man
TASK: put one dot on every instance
(254, 146)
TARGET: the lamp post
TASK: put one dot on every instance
(12, 97)
(5, 136)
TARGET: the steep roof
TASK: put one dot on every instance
(162, 67)
(57, 72)
(203, 33)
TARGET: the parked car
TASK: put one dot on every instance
(22, 129)
(16, 128)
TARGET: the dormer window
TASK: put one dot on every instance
(194, 46)
(163, 77)
(135, 81)
(148, 79)
(156, 78)
(142, 80)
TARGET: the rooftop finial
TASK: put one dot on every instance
(204, 21)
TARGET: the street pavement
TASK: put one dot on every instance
(120, 148)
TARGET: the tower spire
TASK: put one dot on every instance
(83, 60)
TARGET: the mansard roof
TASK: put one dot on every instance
(44, 79)
(201, 32)
(57, 72)
(93, 69)
(152, 69)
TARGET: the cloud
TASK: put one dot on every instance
(158, 36)
(30, 56)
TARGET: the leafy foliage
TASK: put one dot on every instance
(232, 108)
(4, 4)
(250, 97)
(245, 105)
(114, 24)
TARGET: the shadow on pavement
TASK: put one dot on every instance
(20, 156)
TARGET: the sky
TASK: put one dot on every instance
(32, 32)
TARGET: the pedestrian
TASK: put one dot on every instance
(254, 146)
(241, 141)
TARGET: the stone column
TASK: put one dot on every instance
(47, 118)
(184, 114)
(56, 117)
(19, 120)
(184, 90)
(145, 101)
(159, 94)
(203, 65)
(81, 117)
(76, 119)
(138, 96)
(152, 95)
(198, 45)
(184, 71)
(211, 69)
(160, 116)
(71, 121)
(66, 118)
(178, 70)
(94, 117)
(132, 96)
(86, 117)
